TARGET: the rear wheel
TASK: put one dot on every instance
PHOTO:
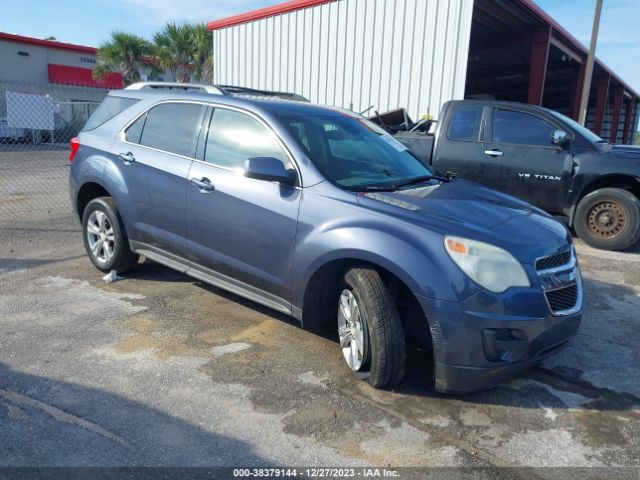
(370, 330)
(105, 239)
(608, 218)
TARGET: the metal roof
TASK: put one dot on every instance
(47, 43)
(265, 13)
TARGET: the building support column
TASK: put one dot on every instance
(629, 120)
(577, 92)
(540, 42)
(618, 97)
(602, 94)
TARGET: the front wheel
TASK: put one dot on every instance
(608, 218)
(369, 327)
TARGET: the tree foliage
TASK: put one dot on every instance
(182, 49)
(202, 57)
(173, 48)
(125, 53)
(185, 50)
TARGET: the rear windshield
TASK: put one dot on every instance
(109, 108)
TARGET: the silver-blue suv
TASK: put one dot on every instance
(317, 213)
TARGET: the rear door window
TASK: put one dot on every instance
(173, 128)
(234, 137)
(521, 128)
(109, 108)
(465, 123)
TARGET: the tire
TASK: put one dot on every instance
(608, 218)
(102, 226)
(380, 360)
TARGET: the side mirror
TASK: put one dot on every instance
(270, 169)
(559, 137)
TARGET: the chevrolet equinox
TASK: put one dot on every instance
(318, 213)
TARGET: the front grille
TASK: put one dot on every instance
(563, 299)
(553, 261)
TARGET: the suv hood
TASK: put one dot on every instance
(469, 210)
(626, 151)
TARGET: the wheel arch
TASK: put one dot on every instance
(621, 181)
(87, 192)
(318, 302)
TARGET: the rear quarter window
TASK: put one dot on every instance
(465, 123)
(109, 108)
(134, 132)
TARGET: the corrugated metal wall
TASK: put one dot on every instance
(354, 53)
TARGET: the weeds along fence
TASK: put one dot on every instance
(37, 121)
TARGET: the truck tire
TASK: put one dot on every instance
(105, 239)
(608, 218)
(370, 329)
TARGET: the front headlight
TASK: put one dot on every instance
(491, 267)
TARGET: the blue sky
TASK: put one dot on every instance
(91, 21)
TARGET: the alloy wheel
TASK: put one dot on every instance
(101, 237)
(351, 330)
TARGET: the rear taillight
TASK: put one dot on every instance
(75, 145)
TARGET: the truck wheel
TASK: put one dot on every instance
(105, 239)
(370, 330)
(608, 218)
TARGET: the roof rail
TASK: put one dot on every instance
(175, 86)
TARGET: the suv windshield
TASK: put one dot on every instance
(354, 153)
(585, 132)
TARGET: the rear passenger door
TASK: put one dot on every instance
(458, 148)
(241, 231)
(155, 154)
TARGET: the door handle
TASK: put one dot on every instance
(494, 153)
(127, 157)
(203, 184)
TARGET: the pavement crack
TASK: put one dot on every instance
(62, 416)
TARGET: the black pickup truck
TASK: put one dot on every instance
(542, 157)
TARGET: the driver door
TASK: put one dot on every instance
(519, 158)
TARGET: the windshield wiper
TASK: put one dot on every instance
(395, 186)
(376, 188)
(420, 179)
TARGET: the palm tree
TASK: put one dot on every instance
(173, 48)
(123, 52)
(202, 56)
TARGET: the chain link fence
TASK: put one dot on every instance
(37, 121)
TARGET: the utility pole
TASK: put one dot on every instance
(586, 87)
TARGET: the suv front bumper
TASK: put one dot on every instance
(487, 339)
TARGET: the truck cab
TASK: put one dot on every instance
(544, 158)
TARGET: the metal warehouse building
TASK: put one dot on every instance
(418, 54)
